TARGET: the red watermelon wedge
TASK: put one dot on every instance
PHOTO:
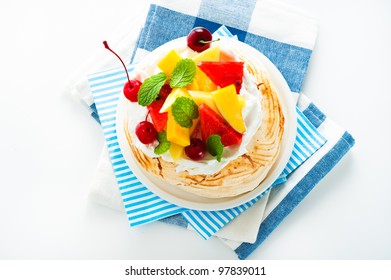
(211, 123)
(159, 120)
(224, 73)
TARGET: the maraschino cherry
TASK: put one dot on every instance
(199, 39)
(131, 87)
(196, 150)
(146, 132)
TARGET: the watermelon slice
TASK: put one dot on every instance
(212, 123)
(224, 73)
(159, 120)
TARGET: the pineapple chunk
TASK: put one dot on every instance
(176, 92)
(205, 97)
(167, 64)
(176, 133)
(211, 54)
(176, 151)
(228, 104)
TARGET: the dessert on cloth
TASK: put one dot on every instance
(286, 36)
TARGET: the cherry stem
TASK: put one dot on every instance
(126, 71)
(208, 42)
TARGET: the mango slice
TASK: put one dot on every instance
(204, 83)
(193, 85)
(228, 104)
(211, 54)
(176, 151)
(167, 64)
(175, 93)
(176, 133)
(205, 97)
(242, 101)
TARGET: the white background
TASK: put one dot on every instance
(49, 146)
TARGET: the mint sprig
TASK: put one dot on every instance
(183, 73)
(214, 146)
(164, 144)
(184, 111)
(150, 88)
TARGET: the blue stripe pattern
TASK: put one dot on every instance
(143, 206)
(140, 204)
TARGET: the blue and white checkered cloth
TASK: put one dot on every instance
(253, 25)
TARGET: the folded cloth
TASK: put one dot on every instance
(278, 42)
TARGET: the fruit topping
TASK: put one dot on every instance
(176, 151)
(146, 132)
(212, 123)
(150, 88)
(196, 150)
(206, 97)
(183, 73)
(227, 102)
(214, 146)
(167, 64)
(184, 110)
(224, 73)
(193, 85)
(159, 119)
(203, 82)
(199, 39)
(164, 144)
(211, 54)
(176, 92)
(132, 87)
(176, 133)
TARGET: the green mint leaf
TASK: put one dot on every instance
(150, 88)
(164, 144)
(184, 110)
(183, 73)
(214, 146)
(162, 136)
(162, 148)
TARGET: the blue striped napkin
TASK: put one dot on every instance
(251, 23)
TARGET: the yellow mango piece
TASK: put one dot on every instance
(205, 97)
(176, 133)
(228, 104)
(242, 101)
(204, 83)
(175, 93)
(176, 151)
(193, 85)
(167, 64)
(211, 54)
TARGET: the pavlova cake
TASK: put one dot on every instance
(203, 116)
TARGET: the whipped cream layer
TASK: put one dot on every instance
(252, 114)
